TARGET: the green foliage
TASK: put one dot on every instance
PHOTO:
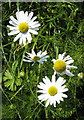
(61, 30)
(10, 81)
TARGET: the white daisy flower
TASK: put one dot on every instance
(33, 57)
(23, 26)
(62, 64)
(52, 91)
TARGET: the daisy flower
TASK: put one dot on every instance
(52, 91)
(23, 25)
(62, 64)
(33, 57)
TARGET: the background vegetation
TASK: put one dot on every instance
(61, 31)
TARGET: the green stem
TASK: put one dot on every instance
(34, 44)
(16, 92)
(38, 76)
(38, 72)
(75, 102)
(46, 113)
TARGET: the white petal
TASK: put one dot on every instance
(55, 72)
(36, 25)
(21, 16)
(58, 101)
(47, 103)
(42, 97)
(33, 31)
(64, 95)
(46, 97)
(33, 52)
(39, 53)
(60, 81)
(51, 100)
(30, 16)
(42, 91)
(24, 39)
(29, 54)
(35, 28)
(27, 57)
(27, 60)
(17, 15)
(53, 78)
(20, 41)
(43, 53)
(32, 20)
(33, 23)
(64, 90)
(12, 23)
(13, 32)
(42, 86)
(54, 103)
(61, 56)
(59, 98)
(43, 59)
(53, 60)
(71, 66)
(69, 73)
(29, 38)
(67, 58)
(46, 81)
(12, 28)
(26, 14)
(13, 19)
(69, 62)
(17, 37)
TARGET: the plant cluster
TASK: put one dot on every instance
(37, 58)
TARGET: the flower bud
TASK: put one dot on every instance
(80, 75)
(21, 74)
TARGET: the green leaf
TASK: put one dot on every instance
(12, 87)
(5, 78)
(8, 75)
(8, 83)
(18, 81)
(11, 81)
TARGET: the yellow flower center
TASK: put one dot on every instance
(60, 66)
(23, 27)
(52, 90)
(35, 58)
